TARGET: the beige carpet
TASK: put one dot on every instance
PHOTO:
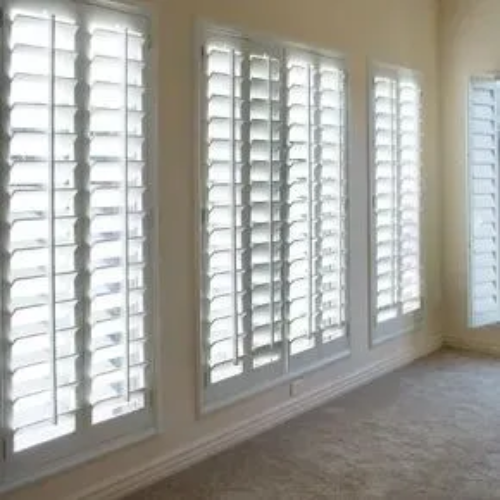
(430, 431)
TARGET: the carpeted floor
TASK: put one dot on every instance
(430, 431)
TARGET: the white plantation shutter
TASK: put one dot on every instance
(254, 293)
(316, 200)
(117, 221)
(74, 228)
(396, 193)
(223, 301)
(40, 282)
(242, 251)
(483, 203)
(263, 208)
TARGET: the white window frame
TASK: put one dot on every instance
(216, 396)
(98, 439)
(408, 323)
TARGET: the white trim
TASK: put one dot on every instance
(78, 459)
(185, 456)
(207, 28)
(230, 396)
(199, 176)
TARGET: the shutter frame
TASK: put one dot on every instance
(478, 319)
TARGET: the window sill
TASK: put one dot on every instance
(25, 472)
(213, 400)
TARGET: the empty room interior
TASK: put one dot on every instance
(263, 257)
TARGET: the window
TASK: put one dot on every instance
(396, 197)
(483, 190)
(73, 350)
(274, 214)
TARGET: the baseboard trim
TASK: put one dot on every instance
(181, 458)
(472, 345)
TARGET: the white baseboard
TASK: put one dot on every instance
(181, 458)
(472, 344)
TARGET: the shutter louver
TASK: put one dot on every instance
(117, 222)
(316, 197)
(483, 203)
(40, 280)
(396, 201)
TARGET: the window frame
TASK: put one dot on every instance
(93, 440)
(211, 398)
(409, 323)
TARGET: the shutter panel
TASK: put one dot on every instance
(316, 197)
(223, 258)
(117, 222)
(483, 203)
(330, 192)
(409, 194)
(40, 251)
(264, 164)
(396, 191)
(242, 251)
(386, 197)
(301, 180)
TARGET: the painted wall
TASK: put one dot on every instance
(470, 45)
(400, 32)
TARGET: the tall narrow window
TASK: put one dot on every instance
(74, 229)
(396, 195)
(483, 189)
(274, 230)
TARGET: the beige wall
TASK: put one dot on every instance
(401, 32)
(470, 45)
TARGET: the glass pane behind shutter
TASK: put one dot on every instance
(117, 224)
(41, 218)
